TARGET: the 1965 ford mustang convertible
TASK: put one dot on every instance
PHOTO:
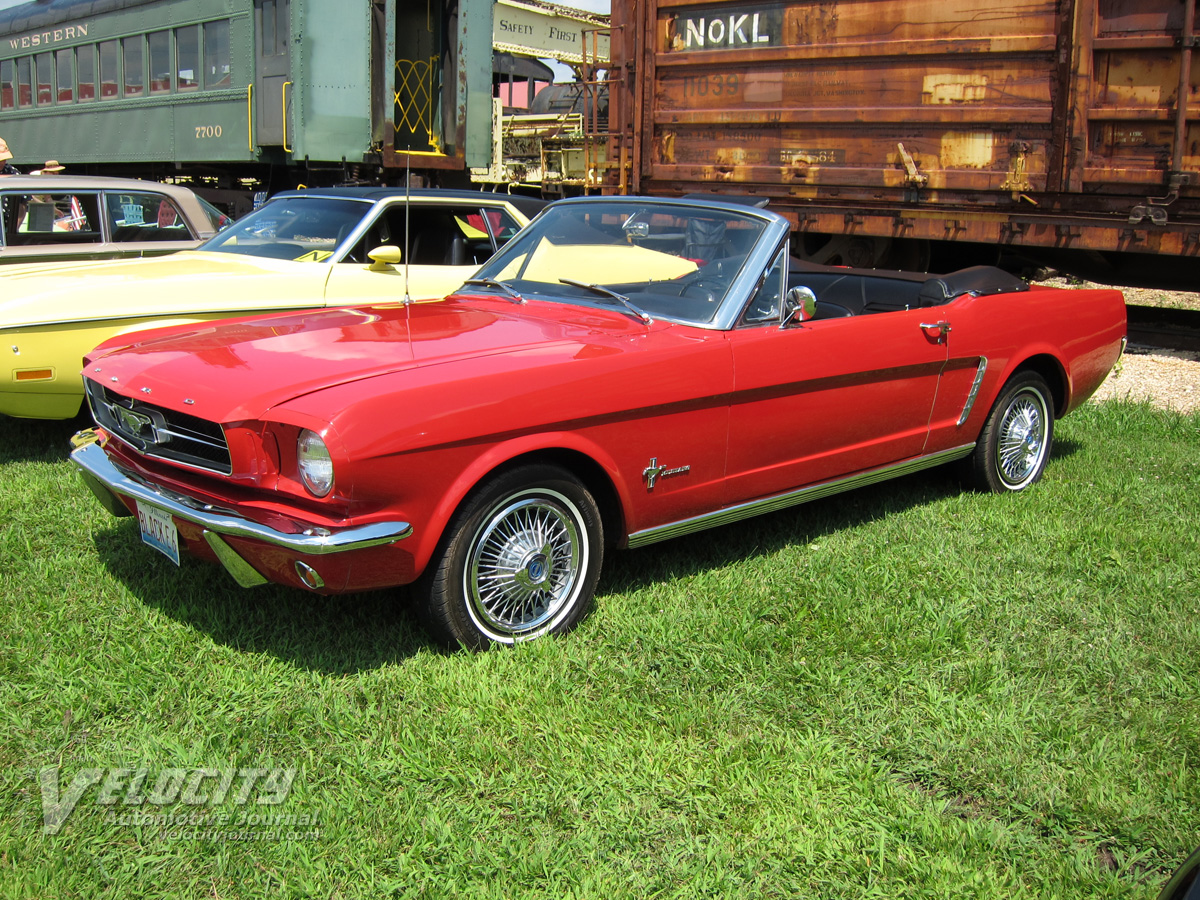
(624, 370)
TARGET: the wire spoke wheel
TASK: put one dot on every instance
(526, 563)
(519, 560)
(1015, 442)
(1022, 438)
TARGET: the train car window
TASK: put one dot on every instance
(85, 68)
(7, 91)
(108, 69)
(217, 59)
(159, 43)
(45, 79)
(187, 57)
(25, 81)
(274, 28)
(133, 52)
(63, 60)
(268, 28)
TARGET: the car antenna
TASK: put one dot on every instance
(407, 208)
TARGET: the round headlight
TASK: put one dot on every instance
(316, 468)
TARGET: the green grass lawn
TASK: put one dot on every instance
(907, 691)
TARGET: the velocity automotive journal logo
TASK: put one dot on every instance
(215, 798)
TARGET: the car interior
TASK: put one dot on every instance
(848, 292)
(440, 236)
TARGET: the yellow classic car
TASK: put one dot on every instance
(302, 249)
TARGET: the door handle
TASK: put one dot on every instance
(941, 328)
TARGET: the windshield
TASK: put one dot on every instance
(305, 229)
(670, 261)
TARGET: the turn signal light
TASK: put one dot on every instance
(33, 374)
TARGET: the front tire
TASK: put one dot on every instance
(519, 560)
(1014, 446)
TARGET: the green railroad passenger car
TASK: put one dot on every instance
(238, 96)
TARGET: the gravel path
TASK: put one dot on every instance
(1169, 379)
(1133, 296)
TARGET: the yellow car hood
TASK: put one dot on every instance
(182, 283)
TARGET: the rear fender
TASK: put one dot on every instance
(1047, 362)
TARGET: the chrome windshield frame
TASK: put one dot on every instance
(758, 260)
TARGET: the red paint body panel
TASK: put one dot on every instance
(833, 397)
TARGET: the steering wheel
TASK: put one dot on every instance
(708, 289)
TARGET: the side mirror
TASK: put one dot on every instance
(385, 257)
(799, 305)
(635, 228)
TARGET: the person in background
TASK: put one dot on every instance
(52, 167)
(6, 158)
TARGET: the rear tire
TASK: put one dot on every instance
(519, 560)
(1015, 443)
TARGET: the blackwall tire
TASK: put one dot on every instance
(1015, 442)
(519, 560)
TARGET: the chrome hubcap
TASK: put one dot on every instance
(525, 566)
(1022, 439)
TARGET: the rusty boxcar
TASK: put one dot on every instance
(1060, 132)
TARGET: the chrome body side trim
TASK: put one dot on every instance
(974, 391)
(104, 477)
(794, 498)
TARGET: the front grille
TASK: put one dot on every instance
(159, 432)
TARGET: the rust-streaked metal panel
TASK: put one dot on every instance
(1030, 122)
(1138, 53)
(887, 94)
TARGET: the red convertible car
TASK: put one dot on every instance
(625, 370)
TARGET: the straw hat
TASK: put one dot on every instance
(51, 167)
(5, 153)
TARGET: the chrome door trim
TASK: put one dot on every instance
(793, 498)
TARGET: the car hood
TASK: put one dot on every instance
(238, 370)
(191, 281)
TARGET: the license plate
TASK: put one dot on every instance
(159, 531)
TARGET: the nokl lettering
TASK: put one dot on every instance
(725, 31)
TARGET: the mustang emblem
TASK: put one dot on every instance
(654, 471)
(142, 425)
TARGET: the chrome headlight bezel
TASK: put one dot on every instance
(314, 463)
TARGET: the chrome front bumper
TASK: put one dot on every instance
(109, 482)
